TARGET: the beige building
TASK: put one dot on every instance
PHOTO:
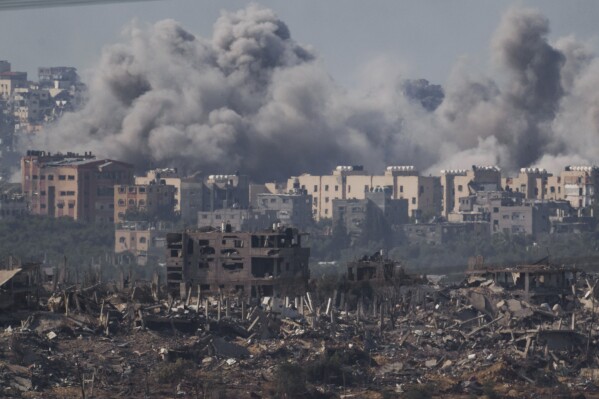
(456, 184)
(579, 184)
(148, 201)
(9, 81)
(141, 239)
(73, 185)
(352, 182)
(534, 183)
(188, 191)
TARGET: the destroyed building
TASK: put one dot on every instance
(19, 284)
(379, 270)
(267, 263)
(537, 283)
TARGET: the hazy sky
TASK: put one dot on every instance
(424, 37)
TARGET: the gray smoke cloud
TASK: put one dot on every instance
(252, 99)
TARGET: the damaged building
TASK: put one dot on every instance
(266, 263)
(20, 284)
(539, 283)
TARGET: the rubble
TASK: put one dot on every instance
(475, 338)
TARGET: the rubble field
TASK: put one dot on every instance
(419, 339)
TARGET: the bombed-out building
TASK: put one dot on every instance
(265, 263)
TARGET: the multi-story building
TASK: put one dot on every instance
(47, 76)
(226, 191)
(73, 185)
(238, 219)
(189, 191)
(579, 185)
(9, 81)
(146, 241)
(534, 183)
(352, 182)
(377, 208)
(461, 183)
(31, 107)
(144, 202)
(12, 206)
(265, 263)
(291, 209)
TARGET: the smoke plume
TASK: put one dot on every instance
(252, 99)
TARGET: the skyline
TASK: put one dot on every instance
(253, 94)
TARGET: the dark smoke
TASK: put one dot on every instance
(430, 96)
(252, 99)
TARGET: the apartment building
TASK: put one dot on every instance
(292, 208)
(72, 185)
(353, 182)
(189, 191)
(147, 202)
(264, 263)
(579, 184)
(378, 208)
(146, 241)
(9, 81)
(461, 183)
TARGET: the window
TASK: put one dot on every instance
(142, 240)
(121, 202)
(421, 189)
(315, 188)
(43, 206)
(326, 200)
(71, 205)
(460, 188)
(495, 210)
(142, 189)
(552, 189)
(34, 177)
(122, 240)
(326, 187)
(50, 177)
(141, 202)
(42, 192)
(71, 177)
(349, 189)
(121, 190)
(401, 189)
(62, 177)
(131, 202)
(413, 200)
(336, 188)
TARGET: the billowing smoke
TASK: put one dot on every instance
(252, 99)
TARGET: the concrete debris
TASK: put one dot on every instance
(472, 338)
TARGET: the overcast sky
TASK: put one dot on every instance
(424, 37)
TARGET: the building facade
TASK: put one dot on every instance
(423, 193)
(72, 185)
(266, 263)
(144, 202)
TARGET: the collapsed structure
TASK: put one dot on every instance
(266, 263)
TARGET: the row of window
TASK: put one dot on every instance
(51, 177)
(131, 202)
(142, 240)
